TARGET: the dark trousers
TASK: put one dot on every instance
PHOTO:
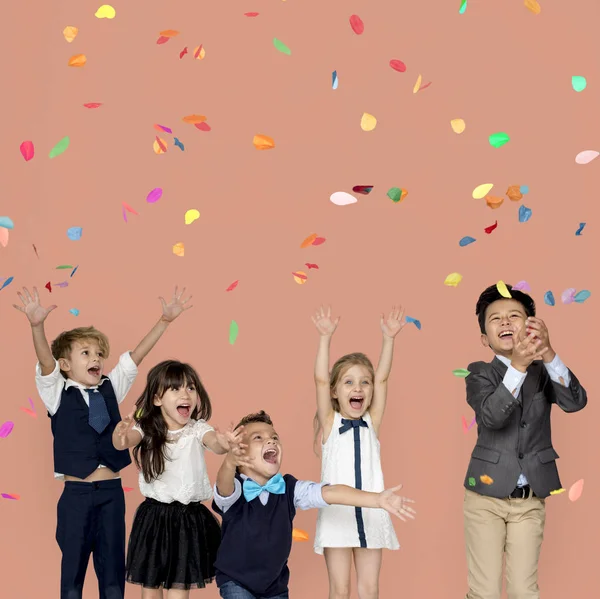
(231, 590)
(91, 520)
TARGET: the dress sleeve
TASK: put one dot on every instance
(138, 428)
(201, 427)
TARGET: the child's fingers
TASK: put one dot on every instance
(394, 489)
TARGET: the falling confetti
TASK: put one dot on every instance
(139, 413)
(514, 194)
(281, 47)
(581, 296)
(74, 233)
(549, 298)
(357, 25)
(458, 125)
(463, 7)
(127, 489)
(524, 213)
(503, 289)
(524, 189)
(233, 332)
(300, 277)
(232, 286)
(93, 104)
(70, 33)
(78, 60)
(202, 126)
(7, 283)
(486, 480)
(183, 52)
(6, 429)
(179, 249)
(308, 241)
(482, 190)
(191, 216)
(10, 496)
(319, 241)
(169, 33)
(163, 39)
(368, 122)
(580, 229)
(263, 142)
(557, 491)
(106, 11)
(31, 411)
(533, 6)
(466, 241)
(199, 52)
(398, 65)
(576, 490)
(27, 150)
(396, 194)
(74, 270)
(414, 321)
(453, 279)
(60, 147)
(472, 481)
(462, 373)
(491, 228)
(299, 535)
(341, 198)
(159, 146)
(578, 83)
(126, 208)
(417, 85)
(163, 129)
(310, 265)
(48, 286)
(192, 119)
(568, 296)
(4, 236)
(74, 311)
(251, 14)
(497, 140)
(177, 143)
(154, 195)
(494, 202)
(334, 80)
(6, 222)
(522, 286)
(363, 189)
(586, 156)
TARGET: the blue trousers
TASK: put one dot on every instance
(231, 590)
(91, 520)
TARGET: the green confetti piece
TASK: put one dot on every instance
(579, 83)
(463, 7)
(461, 372)
(60, 147)
(472, 482)
(497, 140)
(281, 47)
(63, 267)
(233, 332)
(394, 194)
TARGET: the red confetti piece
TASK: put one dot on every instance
(128, 208)
(425, 86)
(319, 241)
(161, 145)
(202, 126)
(198, 50)
(48, 286)
(465, 425)
(398, 65)
(183, 52)
(489, 229)
(232, 286)
(28, 411)
(357, 25)
(127, 489)
(251, 14)
(27, 150)
(93, 104)
(310, 265)
(163, 39)
(300, 275)
(363, 189)
(10, 496)
(163, 128)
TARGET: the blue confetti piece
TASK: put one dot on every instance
(524, 189)
(6, 283)
(581, 228)
(74, 233)
(581, 296)
(179, 144)
(6, 222)
(466, 241)
(524, 213)
(334, 80)
(74, 270)
(549, 298)
(74, 311)
(416, 322)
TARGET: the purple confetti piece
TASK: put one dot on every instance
(7, 496)
(472, 423)
(62, 284)
(522, 286)
(154, 195)
(568, 296)
(165, 129)
(31, 403)
(6, 429)
(124, 215)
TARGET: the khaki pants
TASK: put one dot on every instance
(498, 528)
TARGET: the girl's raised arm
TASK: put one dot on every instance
(326, 327)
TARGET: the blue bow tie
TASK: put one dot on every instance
(348, 424)
(274, 485)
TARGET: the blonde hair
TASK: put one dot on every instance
(337, 372)
(63, 344)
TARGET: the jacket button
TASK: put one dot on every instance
(521, 456)
(523, 424)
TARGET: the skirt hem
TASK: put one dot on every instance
(174, 585)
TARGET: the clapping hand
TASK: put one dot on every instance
(325, 325)
(175, 307)
(394, 323)
(32, 308)
(396, 505)
(526, 349)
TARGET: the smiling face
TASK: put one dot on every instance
(354, 391)
(178, 404)
(264, 450)
(85, 363)
(503, 318)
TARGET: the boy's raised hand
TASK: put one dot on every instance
(175, 307)
(394, 323)
(32, 308)
(526, 349)
(396, 505)
(325, 325)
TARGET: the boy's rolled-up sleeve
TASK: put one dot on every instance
(308, 495)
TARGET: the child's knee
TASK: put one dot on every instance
(340, 592)
(368, 590)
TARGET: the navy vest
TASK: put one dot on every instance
(78, 448)
(256, 542)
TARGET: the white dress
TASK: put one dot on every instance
(345, 526)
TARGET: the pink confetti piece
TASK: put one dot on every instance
(154, 195)
(424, 86)
(319, 241)
(251, 14)
(232, 286)
(10, 496)
(465, 425)
(576, 490)
(204, 126)
(6, 429)
(357, 24)
(127, 489)
(27, 150)
(522, 286)
(28, 411)
(568, 296)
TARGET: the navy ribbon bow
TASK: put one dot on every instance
(349, 424)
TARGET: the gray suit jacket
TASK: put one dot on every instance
(513, 434)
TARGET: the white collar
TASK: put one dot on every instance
(503, 359)
(72, 383)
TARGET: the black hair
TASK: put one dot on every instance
(491, 295)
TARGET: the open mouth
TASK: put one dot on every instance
(506, 335)
(270, 456)
(184, 410)
(94, 370)
(356, 402)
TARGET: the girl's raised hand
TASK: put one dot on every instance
(32, 308)
(229, 437)
(123, 428)
(394, 323)
(325, 325)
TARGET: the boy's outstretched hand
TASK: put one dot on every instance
(396, 505)
(175, 307)
(32, 308)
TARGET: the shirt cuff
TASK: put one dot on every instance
(224, 503)
(48, 379)
(513, 379)
(557, 370)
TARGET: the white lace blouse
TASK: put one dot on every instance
(185, 478)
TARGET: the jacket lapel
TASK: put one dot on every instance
(530, 385)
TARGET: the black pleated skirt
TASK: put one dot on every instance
(172, 545)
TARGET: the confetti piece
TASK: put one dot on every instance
(319, 241)
(396, 194)
(74, 311)
(10, 496)
(308, 241)
(48, 286)
(491, 228)
(580, 229)
(126, 208)
(586, 156)
(524, 189)
(310, 265)
(169, 33)
(549, 298)
(466, 241)
(581, 296)
(465, 425)
(179, 249)
(139, 413)
(106, 11)
(334, 80)
(472, 481)
(576, 490)
(368, 122)
(163, 129)
(61, 285)
(202, 126)
(154, 195)
(74, 233)
(60, 147)
(300, 277)
(127, 489)
(357, 25)
(398, 65)
(192, 119)
(93, 104)
(74, 270)
(533, 6)
(232, 286)
(462, 373)
(163, 39)
(424, 86)
(341, 198)
(486, 480)
(78, 60)
(503, 290)
(281, 47)
(363, 189)
(522, 286)
(179, 144)
(417, 85)
(578, 83)
(70, 33)
(482, 190)
(497, 140)
(251, 14)
(458, 125)
(494, 202)
(191, 216)
(568, 295)
(473, 422)
(453, 279)
(6, 429)
(463, 7)
(6, 222)
(159, 146)
(514, 194)
(183, 52)
(299, 535)
(31, 411)
(199, 52)
(557, 491)
(27, 150)
(417, 323)
(263, 142)
(233, 332)
(7, 283)
(524, 213)
(4, 237)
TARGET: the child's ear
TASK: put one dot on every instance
(157, 401)
(64, 364)
(485, 341)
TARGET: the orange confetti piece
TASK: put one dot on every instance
(486, 480)
(533, 6)
(179, 249)
(159, 146)
(199, 52)
(169, 33)
(78, 60)
(576, 490)
(192, 119)
(494, 202)
(263, 142)
(299, 535)
(308, 241)
(70, 33)
(300, 277)
(3, 237)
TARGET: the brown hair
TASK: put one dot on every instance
(261, 416)
(63, 344)
(149, 453)
(339, 369)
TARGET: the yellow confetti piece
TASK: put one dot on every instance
(156, 146)
(503, 290)
(458, 125)
(191, 216)
(179, 250)
(533, 6)
(300, 277)
(417, 86)
(486, 480)
(139, 413)
(482, 190)
(199, 53)
(368, 122)
(78, 60)
(557, 492)
(70, 33)
(453, 279)
(106, 11)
